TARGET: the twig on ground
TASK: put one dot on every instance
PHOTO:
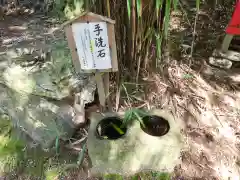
(141, 106)
(125, 89)
(85, 131)
(78, 141)
(74, 148)
(118, 94)
(194, 36)
(184, 12)
(81, 155)
(225, 115)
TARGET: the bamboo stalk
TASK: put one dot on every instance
(136, 27)
(133, 32)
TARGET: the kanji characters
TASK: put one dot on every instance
(97, 29)
(101, 53)
(99, 42)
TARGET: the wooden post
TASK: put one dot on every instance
(79, 45)
(101, 89)
(226, 42)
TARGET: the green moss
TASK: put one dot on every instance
(11, 150)
(113, 177)
(17, 156)
(142, 175)
(161, 176)
(52, 174)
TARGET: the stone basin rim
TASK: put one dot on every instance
(163, 124)
(115, 120)
(153, 124)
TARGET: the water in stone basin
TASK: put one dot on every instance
(155, 125)
(111, 128)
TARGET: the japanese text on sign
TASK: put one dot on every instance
(92, 45)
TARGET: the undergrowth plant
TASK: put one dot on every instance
(134, 114)
(11, 150)
(142, 176)
(129, 117)
(141, 29)
(14, 154)
(17, 156)
(68, 8)
(141, 26)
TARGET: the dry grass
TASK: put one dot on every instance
(210, 120)
(209, 117)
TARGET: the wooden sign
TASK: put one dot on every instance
(91, 39)
(92, 45)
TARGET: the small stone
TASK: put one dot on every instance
(229, 55)
(220, 62)
(79, 118)
(12, 54)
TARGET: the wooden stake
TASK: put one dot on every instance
(226, 42)
(101, 89)
(106, 81)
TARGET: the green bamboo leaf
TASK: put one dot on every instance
(129, 8)
(136, 177)
(51, 174)
(148, 34)
(188, 76)
(134, 114)
(57, 145)
(158, 6)
(139, 8)
(167, 17)
(159, 45)
(127, 117)
(93, 1)
(117, 128)
(108, 8)
(139, 119)
(78, 7)
(81, 155)
(198, 4)
(175, 3)
(164, 176)
(142, 113)
(112, 176)
(58, 2)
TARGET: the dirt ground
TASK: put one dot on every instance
(205, 99)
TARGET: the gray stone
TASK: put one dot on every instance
(29, 78)
(229, 55)
(43, 121)
(136, 151)
(220, 62)
(51, 77)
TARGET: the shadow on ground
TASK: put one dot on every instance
(205, 98)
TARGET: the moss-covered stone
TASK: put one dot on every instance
(136, 151)
(34, 81)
